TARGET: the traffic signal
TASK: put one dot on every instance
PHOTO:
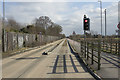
(86, 24)
(118, 26)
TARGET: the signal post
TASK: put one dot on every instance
(86, 27)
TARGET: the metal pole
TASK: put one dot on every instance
(85, 40)
(101, 16)
(3, 31)
(105, 25)
(85, 43)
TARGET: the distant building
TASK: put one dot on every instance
(74, 33)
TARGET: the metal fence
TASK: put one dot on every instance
(14, 40)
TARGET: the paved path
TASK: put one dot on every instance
(110, 65)
(60, 63)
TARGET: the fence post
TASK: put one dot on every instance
(87, 50)
(104, 48)
(17, 41)
(81, 48)
(111, 46)
(106, 45)
(7, 41)
(102, 45)
(99, 52)
(92, 62)
(116, 47)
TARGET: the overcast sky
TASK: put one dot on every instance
(67, 14)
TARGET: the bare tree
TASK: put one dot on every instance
(54, 30)
(12, 25)
(44, 25)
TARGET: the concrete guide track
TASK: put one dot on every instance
(59, 63)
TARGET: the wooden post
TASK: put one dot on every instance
(17, 40)
(106, 44)
(103, 46)
(116, 47)
(119, 42)
(82, 48)
(87, 50)
(111, 46)
(7, 39)
(92, 62)
(99, 52)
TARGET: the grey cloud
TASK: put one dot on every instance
(59, 13)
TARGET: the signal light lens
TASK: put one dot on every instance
(86, 20)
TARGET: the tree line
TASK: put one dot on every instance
(42, 25)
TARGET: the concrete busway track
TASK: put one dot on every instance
(13, 61)
(10, 60)
(60, 63)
